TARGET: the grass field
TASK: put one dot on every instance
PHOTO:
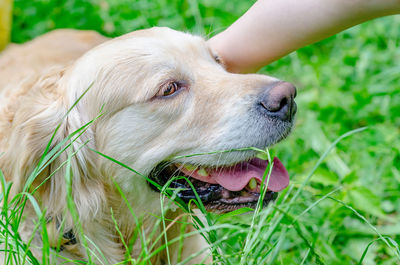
(346, 211)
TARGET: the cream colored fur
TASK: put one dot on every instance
(42, 79)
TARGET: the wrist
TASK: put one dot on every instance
(220, 45)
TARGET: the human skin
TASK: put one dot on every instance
(271, 29)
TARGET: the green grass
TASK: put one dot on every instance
(343, 209)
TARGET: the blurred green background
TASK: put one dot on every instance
(345, 82)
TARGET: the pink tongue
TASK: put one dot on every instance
(237, 177)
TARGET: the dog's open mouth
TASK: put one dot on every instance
(227, 188)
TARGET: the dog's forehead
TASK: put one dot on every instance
(140, 62)
(161, 43)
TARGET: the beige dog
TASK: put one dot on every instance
(162, 95)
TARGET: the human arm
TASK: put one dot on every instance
(271, 29)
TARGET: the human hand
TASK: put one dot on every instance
(271, 29)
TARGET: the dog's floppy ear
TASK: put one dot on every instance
(37, 115)
(33, 112)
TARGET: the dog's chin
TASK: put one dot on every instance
(222, 188)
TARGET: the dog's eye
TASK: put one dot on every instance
(169, 89)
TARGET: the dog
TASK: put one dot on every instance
(158, 101)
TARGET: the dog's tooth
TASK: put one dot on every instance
(202, 172)
(190, 167)
(252, 184)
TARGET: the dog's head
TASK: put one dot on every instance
(166, 97)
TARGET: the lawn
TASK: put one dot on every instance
(340, 208)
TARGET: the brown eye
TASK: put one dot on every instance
(169, 89)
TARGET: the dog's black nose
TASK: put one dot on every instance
(278, 101)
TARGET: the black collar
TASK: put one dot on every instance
(68, 238)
